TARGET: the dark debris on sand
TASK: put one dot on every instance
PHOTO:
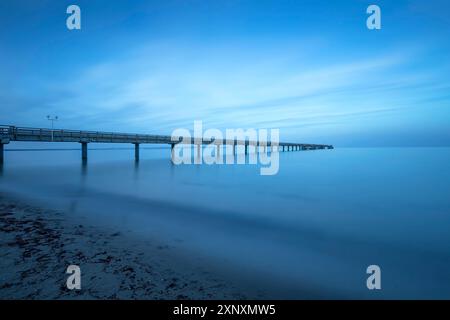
(37, 246)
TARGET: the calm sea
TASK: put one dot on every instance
(309, 231)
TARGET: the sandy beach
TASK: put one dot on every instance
(38, 244)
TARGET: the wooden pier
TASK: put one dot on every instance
(13, 133)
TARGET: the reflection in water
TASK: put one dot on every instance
(314, 227)
(84, 167)
(136, 170)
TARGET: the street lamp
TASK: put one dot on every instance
(52, 119)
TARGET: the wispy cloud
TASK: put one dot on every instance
(232, 92)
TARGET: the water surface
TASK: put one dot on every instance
(309, 231)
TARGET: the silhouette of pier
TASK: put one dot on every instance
(13, 133)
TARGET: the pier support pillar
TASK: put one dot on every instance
(172, 147)
(219, 146)
(136, 151)
(246, 148)
(84, 150)
(234, 148)
(2, 152)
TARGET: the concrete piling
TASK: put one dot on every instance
(219, 146)
(136, 151)
(84, 150)
(2, 152)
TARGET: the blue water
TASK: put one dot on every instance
(310, 231)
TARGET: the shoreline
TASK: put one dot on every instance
(39, 244)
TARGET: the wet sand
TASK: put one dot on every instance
(37, 246)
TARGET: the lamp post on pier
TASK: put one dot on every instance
(52, 119)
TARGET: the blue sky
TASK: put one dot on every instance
(310, 68)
